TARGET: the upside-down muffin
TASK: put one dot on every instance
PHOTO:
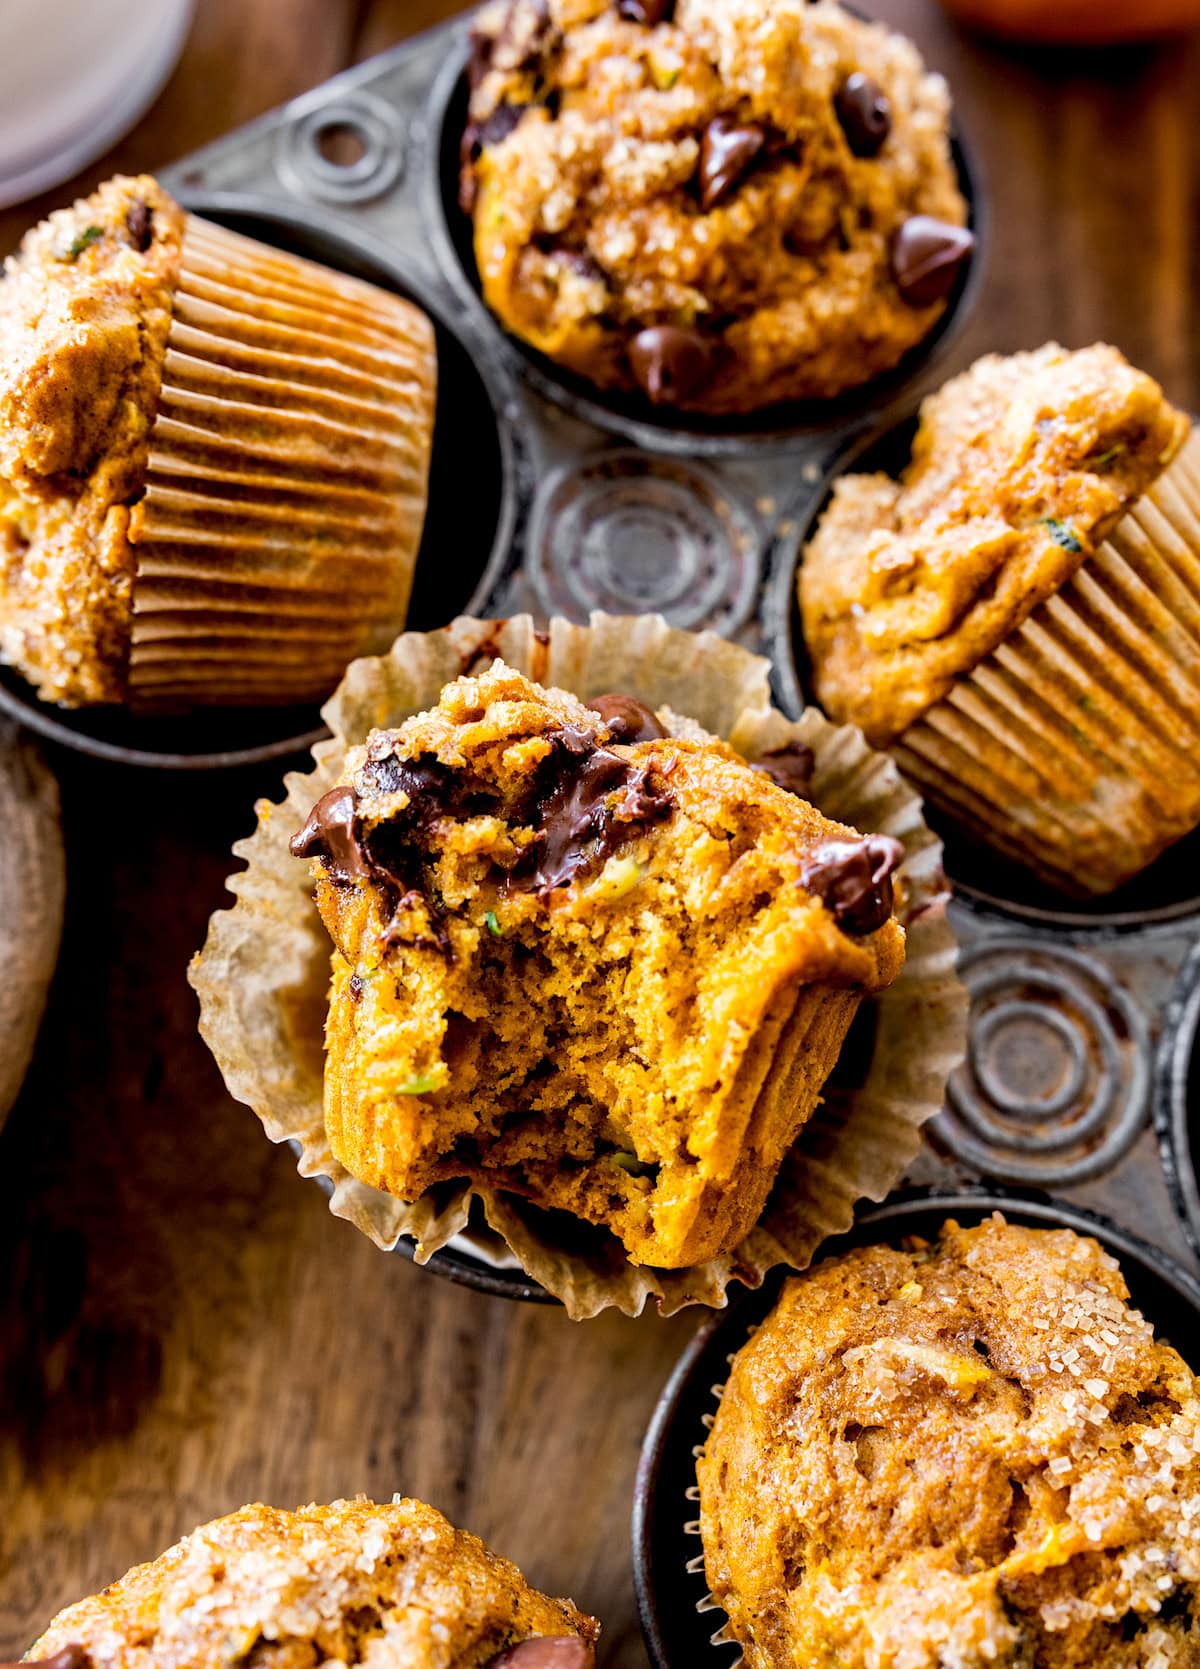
(586, 961)
(387, 1587)
(720, 203)
(970, 1454)
(214, 460)
(1016, 616)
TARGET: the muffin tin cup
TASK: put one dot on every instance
(684, 1628)
(634, 418)
(471, 432)
(1178, 1101)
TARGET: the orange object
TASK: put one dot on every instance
(1088, 22)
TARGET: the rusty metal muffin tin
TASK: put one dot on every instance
(546, 496)
(683, 1626)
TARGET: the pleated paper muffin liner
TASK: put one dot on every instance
(287, 478)
(263, 975)
(1075, 746)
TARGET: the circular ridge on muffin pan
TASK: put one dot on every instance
(983, 879)
(633, 533)
(1056, 1085)
(633, 417)
(678, 1617)
(478, 525)
(1177, 1101)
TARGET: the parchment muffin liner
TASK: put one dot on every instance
(287, 478)
(1075, 746)
(263, 975)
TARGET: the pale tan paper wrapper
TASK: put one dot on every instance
(287, 479)
(263, 974)
(1075, 746)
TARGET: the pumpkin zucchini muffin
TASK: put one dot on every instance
(965, 1455)
(395, 1587)
(213, 460)
(721, 204)
(1017, 616)
(586, 961)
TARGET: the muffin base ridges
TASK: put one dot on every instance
(1075, 746)
(286, 482)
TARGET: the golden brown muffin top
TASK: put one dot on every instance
(393, 1586)
(971, 1453)
(721, 167)
(85, 308)
(1020, 468)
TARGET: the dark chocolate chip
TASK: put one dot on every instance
(139, 223)
(76, 1657)
(356, 988)
(551, 1651)
(853, 879)
(727, 149)
(865, 112)
(790, 767)
(479, 61)
(589, 802)
(670, 363)
(927, 256)
(330, 833)
(627, 719)
(649, 12)
(504, 119)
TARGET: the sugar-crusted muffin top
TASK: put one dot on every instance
(1020, 468)
(85, 308)
(972, 1453)
(392, 1586)
(738, 176)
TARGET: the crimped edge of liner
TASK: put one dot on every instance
(262, 976)
(1100, 689)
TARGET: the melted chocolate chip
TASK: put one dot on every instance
(330, 833)
(551, 1651)
(627, 719)
(927, 256)
(727, 149)
(649, 12)
(76, 1657)
(139, 223)
(853, 879)
(589, 801)
(431, 787)
(790, 767)
(356, 988)
(670, 363)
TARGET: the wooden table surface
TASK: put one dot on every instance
(185, 1327)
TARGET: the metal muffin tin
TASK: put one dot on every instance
(548, 496)
(683, 1627)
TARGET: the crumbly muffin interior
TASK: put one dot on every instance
(971, 1453)
(569, 966)
(349, 1583)
(733, 173)
(1020, 468)
(85, 308)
